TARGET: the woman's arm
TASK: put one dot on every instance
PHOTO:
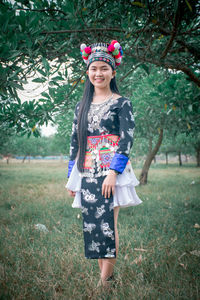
(127, 127)
(121, 157)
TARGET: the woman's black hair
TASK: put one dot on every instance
(83, 118)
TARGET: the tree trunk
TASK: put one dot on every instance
(198, 156)
(179, 158)
(24, 158)
(166, 155)
(150, 156)
(154, 159)
(150, 144)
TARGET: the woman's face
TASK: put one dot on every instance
(100, 74)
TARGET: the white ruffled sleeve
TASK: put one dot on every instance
(124, 196)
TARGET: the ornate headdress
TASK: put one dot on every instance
(110, 53)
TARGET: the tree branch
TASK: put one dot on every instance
(175, 28)
(192, 76)
(129, 72)
(169, 65)
(83, 30)
(157, 146)
(191, 49)
(43, 10)
(189, 31)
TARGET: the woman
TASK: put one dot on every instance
(100, 174)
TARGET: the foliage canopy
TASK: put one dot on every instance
(43, 37)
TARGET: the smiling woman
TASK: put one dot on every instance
(100, 75)
(100, 174)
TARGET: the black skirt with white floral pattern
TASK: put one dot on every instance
(98, 219)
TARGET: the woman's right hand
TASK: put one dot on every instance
(71, 193)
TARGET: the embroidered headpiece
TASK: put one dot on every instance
(110, 53)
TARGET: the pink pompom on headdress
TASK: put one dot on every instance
(85, 51)
(116, 50)
(113, 52)
(111, 48)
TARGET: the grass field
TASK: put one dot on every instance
(159, 239)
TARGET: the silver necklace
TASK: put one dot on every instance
(96, 112)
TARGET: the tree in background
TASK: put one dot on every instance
(163, 102)
(150, 117)
(41, 38)
(187, 110)
(15, 145)
(179, 144)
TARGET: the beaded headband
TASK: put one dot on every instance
(109, 53)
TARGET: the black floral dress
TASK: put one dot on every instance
(110, 137)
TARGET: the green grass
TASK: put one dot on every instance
(37, 265)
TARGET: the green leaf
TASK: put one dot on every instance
(145, 68)
(188, 4)
(36, 133)
(44, 94)
(41, 72)
(14, 54)
(57, 78)
(52, 92)
(22, 133)
(137, 3)
(15, 73)
(52, 83)
(43, 100)
(16, 85)
(40, 80)
(46, 65)
(10, 91)
(18, 100)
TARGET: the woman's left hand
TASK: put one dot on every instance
(71, 193)
(108, 185)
